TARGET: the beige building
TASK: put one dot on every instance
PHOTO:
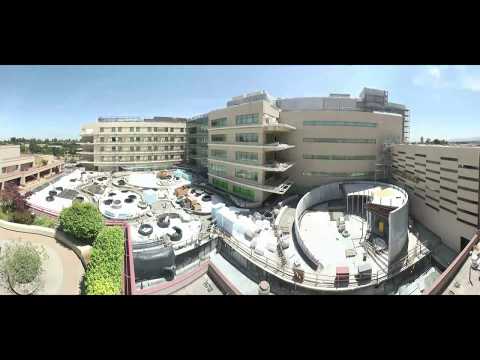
(259, 146)
(113, 144)
(22, 169)
(246, 150)
(443, 186)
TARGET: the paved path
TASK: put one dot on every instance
(64, 270)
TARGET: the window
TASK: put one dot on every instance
(448, 210)
(339, 157)
(246, 156)
(339, 123)
(155, 138)
(182, 130)
(338, 174)
(155, 157)
(149, 157)
(138, 158)
(102, 139)
(149, 139)
(119, 148)
(433, 162)
(467, 189)
(119, 129)
(172, 139)
(166, 148)
(448, 159)
(119, 158)
(149, 129)
(137, 148)
(247, 138)
(468, 167)
(246, 119)
(165, 129)
(219, 138)
(132, 158)
(449, 170)
(138, 129)
(132, 148)
(339, 140)
(132, 139)
(113, 129)
(448, 189)
(102, 129)
(467, 223)
(247, 175)
(114, 139)
(113, 148)
(102, 148)
(171, 129)
(421, 155)
(220, 184)
(137, 139)
(132, 129)
(217, 169)
(218, 153)
(243, 192)
(468, 212)
(149, 148)
(221, 122)
(119, 139)
(155, 148)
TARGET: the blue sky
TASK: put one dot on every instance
(53, 101)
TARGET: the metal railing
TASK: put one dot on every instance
(316, 280)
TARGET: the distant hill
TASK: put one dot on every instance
(473, 140)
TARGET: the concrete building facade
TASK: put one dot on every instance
(443, 183)
(246, 147)
(21, 169)
(197, 142)
(113, 144)
(259, 146)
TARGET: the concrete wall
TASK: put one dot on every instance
(83, 252)
(437, 187)
(398, 219)
(8, 152)
(388, 126)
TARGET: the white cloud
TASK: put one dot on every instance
(458, 77)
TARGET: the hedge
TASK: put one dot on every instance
(105, 269)
(81, 220)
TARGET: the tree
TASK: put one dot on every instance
(83, 221)
(11, 199)
(427, 141)
(421, 139)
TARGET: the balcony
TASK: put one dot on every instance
(274, 166)
(276, 184)
(267, 123)
(276, 146)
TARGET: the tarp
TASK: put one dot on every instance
(154, 263)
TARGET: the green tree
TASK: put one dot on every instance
(22, 262)
(83, 221)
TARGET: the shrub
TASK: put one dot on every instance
(81, 220)
(105, 269)
(44, 221)
(22, 217)
(11, 199)
(22, 262)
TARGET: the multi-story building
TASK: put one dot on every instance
(125, 143)
(197, 142)
(21, 169)
(246, 148)
(443, 186)
(256, 140)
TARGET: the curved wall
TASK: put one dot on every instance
(398, 219)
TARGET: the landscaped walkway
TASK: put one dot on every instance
(63, 269)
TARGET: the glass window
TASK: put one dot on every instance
(132, 148)
(339, 157)
(155, 138)
(113, 129)
(218, 153)
(138, 148)
(246, 174)
(149, 157)
(132, 139)
(119, 129)
(119, 148)
(338, 174)
(217, 169)
(155, 157)
(149, 148)
(138, 129)
(149, 129)
(246, 119)
(219, 138)
(155, 129)
(155, 148)
(171, 129)
(338, 123)
(182, 130)
(222, 122)
(132, 158)
(102, 139)
(102, 148)
(102, 129)
(138, 158)
(137, 138)
(220, 184)
(341, 140)
(132, 129)
(246, 156)
(251, 137)
(243, 192)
